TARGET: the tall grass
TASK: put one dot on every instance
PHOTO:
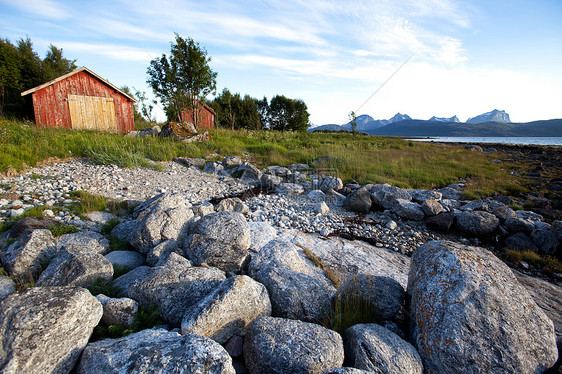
(363, 158)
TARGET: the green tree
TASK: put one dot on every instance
(288, 114)
(183, 80)
(10, 85)
(353, 122)
(263, 111)
(236, 112)
(54, 64)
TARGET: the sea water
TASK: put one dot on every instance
(499, 140)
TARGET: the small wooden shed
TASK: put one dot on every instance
(82, 100)
(206, 117)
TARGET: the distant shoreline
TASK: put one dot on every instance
(488, 141)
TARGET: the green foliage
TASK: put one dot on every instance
(235, 112)
(183, 79)
(349, 310)
(145, 318)
(119, 270)
(108, 226)
(62, 229)
(3, 272)
(288, 114)
(21, 68)
(107, 288)
(116, 244)
(87, 203)
(548, 264)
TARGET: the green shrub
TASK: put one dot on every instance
(119, 270)
(107, 288)
(145, 318)
(348, 310)
(108, 226)
(62, 229)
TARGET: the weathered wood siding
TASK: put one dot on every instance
(52, 108)
(207, 118)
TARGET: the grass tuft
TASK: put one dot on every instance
(62, 228)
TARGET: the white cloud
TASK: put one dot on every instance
(44, 8)
(113, 51)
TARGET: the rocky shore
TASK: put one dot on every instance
(248, 267)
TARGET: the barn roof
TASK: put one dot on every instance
(85, 69)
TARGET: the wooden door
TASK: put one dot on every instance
(92, 113)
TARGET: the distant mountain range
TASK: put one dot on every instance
(494, 123)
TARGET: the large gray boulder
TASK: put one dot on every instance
(469, 314)
(124, 229)
(289, 189)
(358, 201)
(261, 233)
(228, 310)
(343, 259)
(162, 251)
(295, 295)
(516, 225)
(385, 195)
(383, 294)
(520, 242)
(174, 289)
(377, 349)
(164, 217)
(419, 196)
(431, 207)
(118, 311)
(233, 204)
(44, 329)
(477, 223)
(247, 172)
(27, 255)
(345, 370)
(277, 253)
(155, 351)
(219, 239)
(504, 212)
(329, 182)
(408, 210)
(279, 346)
(76, 266)
(92, 240)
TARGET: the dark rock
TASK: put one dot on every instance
(408, 210)
(477, 223)
(441, 222)
(280, 346)
(358, 201)
(518, 225)
(546, 240)
(520, 242)
(469, 314)
(29, 223)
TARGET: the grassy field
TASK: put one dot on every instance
(363, 158)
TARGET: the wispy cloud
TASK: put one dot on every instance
(43, 8)
(113, 51)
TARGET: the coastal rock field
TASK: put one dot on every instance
(220, 267)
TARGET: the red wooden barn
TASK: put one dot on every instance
(82, 100)
(206, 117)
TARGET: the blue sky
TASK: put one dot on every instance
(467, 57)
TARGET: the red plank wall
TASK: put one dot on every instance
(51, 106)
